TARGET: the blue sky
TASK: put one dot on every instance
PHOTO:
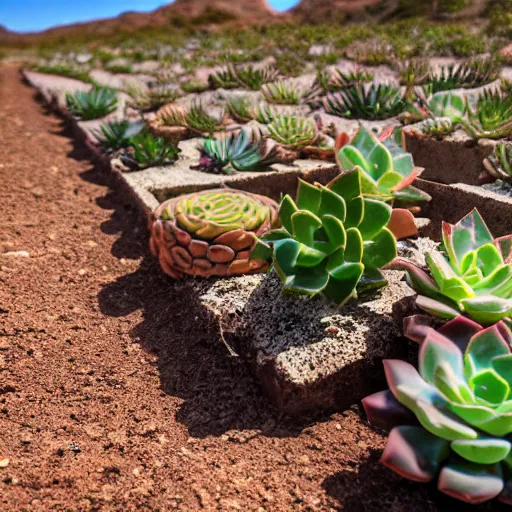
(33, 15)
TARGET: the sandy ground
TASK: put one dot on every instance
(113, 393)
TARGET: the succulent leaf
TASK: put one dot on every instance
(460, 395)
(93, 104)
(388, 170)
(332, 242)
(473, 278)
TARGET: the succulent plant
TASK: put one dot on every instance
(333, 241)
(492, 118)
(194, 120)
(240, 108)
(374, 102)
(474, 278)
(193, 86)
(467, 75)
(211, 233)
(281, 93)
(499, 164)
(118, 134)
(225, 78)
(148, 99)
(413, 72)
(451, 420)
(336, 80)
(437, 128)
(96, 103)
(292, 132)
(149, 151)
(245, 150)
(247, 77)
(387, 169)
(253, 78)
(447, 104)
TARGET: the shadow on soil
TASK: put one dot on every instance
(219, 392)
(374, 488)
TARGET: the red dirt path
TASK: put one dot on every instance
(113, 394)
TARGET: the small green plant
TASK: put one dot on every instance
(195, 119)
(281, 93)
(387, 169)
(437, 128)
(224, 79)
(149, 151)
(292, 132)
(413, 72)
(474, 279)
(253, 78)
(64, 70)
(375, 102)
(450, 420)
(468, 75)
(447, 104)
(492, 118)
(117, 135)
(149, 99)
(193, 87)
(246, 77)
(499, 164)
(337, 80)
(240, 108)
(96, 103)
(245, 150)
(333, 240)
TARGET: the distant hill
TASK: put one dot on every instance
(190, 12)
(211, 13)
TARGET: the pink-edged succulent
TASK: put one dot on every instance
(451, 420)
(474, 278)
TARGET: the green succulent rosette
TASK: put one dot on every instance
(211, 233)
(388, 170)
(451, 420)
(473, 277)
(333, 240)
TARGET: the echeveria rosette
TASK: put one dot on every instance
(474, 278)
(452, 419)
(389, 170)
(333, 240)
(211, 233)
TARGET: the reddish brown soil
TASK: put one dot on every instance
(113, 393)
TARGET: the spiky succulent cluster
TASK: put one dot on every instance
(473, 278)
(281, 93)
(243, 110)
(492, 117)
(118, 134)
(176, 123)
(452, 419)
(333, 241)
(245, 150)
(499, 164)
(211, 233)
(293, 132)
(413, 72)
(388, 170)
(336, 79)
(150, 98)
(247, 77)
(147, 150)
(467, 75)
(93, 104)
(374, 102)
(438, 128)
